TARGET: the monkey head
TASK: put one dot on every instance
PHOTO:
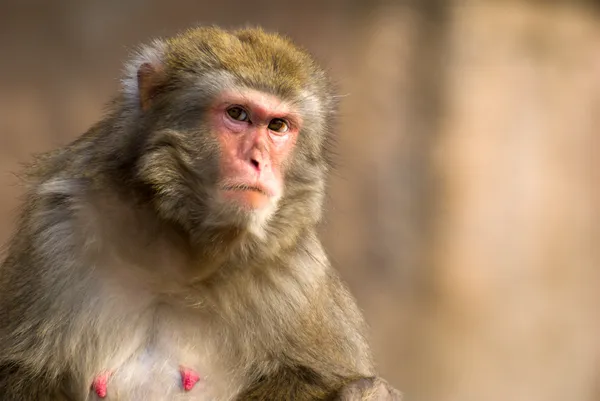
(235, 127)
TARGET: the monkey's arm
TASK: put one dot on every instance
(36, 311)
(326, 357)
(301, 383)
(371, 389)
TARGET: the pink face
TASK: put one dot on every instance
(257, 133)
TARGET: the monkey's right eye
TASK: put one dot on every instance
(237, 113)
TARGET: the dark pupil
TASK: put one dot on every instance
(235, 112)
(276, 125)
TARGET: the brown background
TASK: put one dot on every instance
(464, 212)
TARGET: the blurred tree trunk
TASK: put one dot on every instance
(516, 266)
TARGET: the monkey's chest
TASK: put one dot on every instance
(172, 356)
(163, 374)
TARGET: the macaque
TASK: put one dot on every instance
(170, 253)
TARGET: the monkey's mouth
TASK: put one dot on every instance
(248, 196)
(245, 187)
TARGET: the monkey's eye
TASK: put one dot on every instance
(237, 113)
(278, 125)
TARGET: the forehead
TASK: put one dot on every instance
(255, 98)
(253, 58)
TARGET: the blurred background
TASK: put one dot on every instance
(464, 213)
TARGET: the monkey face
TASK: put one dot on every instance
(256, 133)
(227, 160)
(237, 134)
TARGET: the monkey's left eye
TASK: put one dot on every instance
(237, 113)
(278, 125)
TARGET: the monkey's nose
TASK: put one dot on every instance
(259, 163)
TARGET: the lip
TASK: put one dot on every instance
(247, 196)
(242, 187)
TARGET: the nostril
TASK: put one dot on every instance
(255, 163)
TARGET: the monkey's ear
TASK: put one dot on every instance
(150, 78)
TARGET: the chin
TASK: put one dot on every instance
(250, 217)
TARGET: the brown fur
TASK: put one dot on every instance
(121, 262)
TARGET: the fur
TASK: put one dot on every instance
(122, 261)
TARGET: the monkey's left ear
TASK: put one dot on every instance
(149, 78)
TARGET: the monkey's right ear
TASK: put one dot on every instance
(149, 79)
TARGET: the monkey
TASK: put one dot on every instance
(171, 251)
